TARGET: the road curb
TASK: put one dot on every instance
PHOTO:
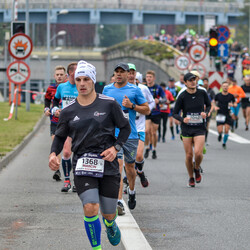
(11, 155)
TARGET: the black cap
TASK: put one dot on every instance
(171, 79)
(189, 76)
(122, 65)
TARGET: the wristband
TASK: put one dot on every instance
(46, 109)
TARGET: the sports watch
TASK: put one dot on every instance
(133, 106)
(117, 147)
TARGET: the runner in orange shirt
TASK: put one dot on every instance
(238, 93)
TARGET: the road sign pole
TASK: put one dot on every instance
(17, 92)
(27, 94)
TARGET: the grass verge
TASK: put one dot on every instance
(12, 132)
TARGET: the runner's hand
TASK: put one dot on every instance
(126, 102)
(54, 162)
(47, 112)
(186, 119)
(57, 113)
(203, 115)
(109, 154)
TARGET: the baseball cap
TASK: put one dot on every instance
(189, 76)
(171, 79)
(131, 66)
(122, 65)
(200, 82)
(196, 73)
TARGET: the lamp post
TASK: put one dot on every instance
(60, 33)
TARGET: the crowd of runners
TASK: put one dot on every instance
(112, 133)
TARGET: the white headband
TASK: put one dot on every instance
(85, 69)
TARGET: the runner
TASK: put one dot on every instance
(211, 96)
(165, 111)
(192, 102)
(90, 121)
(60, 76)
(222, 103)
(174, 90)
(66, 92)
(153, 120)
(246, 101)
(131, 101)
(238, 93)
(181, 82)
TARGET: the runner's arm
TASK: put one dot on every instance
(177, 109)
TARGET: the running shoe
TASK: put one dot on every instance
(154, 156)
(224, 146)
(246, 128)
(146, 153)
(191, 182)
(66, 187)
(219, 137)
(74, 189)
(131, 201)
(120, 208)
(236, 123)
(173, 137)
(113, 233)
(163, 140)
(143, 179)
(177, 130)
(57, 175)
(197, 175)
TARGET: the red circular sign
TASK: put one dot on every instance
(182, 62)
(200, 68)
(18, 72)
(20, 46)
(197, 52)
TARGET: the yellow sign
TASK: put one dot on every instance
(232, 32)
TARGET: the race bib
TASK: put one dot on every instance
(90, 165)
(172, 105)
(126, 114)
(220, 118)
(66, 101)
(195, 119)
(164, 107)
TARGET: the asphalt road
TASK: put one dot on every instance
(34, 214)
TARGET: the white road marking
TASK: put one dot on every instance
(132, 237)
(233, 137)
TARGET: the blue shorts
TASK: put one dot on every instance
(171, 113)
(129, 150)
(235, 110)
(141, 136)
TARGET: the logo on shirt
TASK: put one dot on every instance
(193, 97)
(76, 118)
(99, 114)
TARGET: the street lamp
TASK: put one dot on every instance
(60, 33)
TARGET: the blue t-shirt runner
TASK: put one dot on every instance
(66, 92)
(135, 96)
(157, 92)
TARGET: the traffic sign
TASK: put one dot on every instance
(182, 62)
(20, 46)
(215, 79)
(223, 50)
(197, 52)
(200, 68)
(18, 72)
(223, 34)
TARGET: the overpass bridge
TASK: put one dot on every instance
(126, 11)
(145, 55)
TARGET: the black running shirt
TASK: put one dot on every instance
(222, 102)
(192, 105)
(92, 129)
(246, 89)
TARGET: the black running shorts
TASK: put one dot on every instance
(108, 186)
(154, 118)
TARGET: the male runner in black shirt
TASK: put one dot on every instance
(192, 102)
(223, 101)
(90, 121)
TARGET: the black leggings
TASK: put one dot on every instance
(164, 119)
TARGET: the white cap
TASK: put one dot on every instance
(85, 69)
(138, 77)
